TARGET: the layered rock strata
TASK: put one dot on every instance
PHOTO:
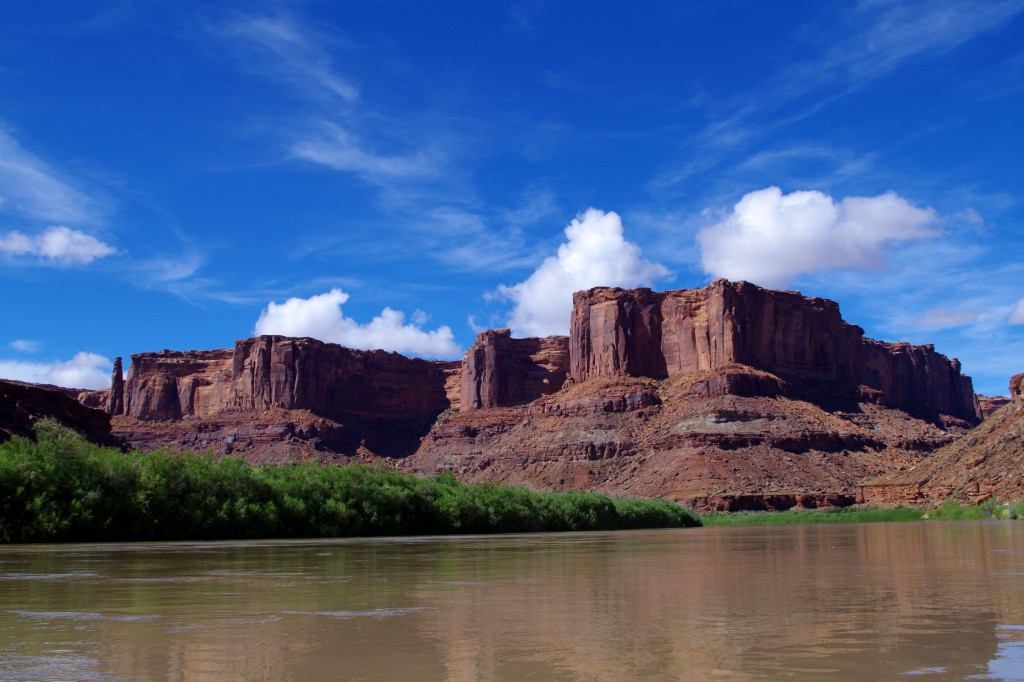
(693, 439)
(803, 341)
(499, 371)
(986, 462)
(730, 396)
(377, 402)
(987, 404)
(726, 397)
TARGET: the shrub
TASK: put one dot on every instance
(62, 488)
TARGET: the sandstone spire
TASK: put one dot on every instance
(115, 403)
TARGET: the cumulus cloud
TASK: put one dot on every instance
(771, 237)
(84, 370)
(596, 254)
(321, 317)
(57, 245)
(1017, 316)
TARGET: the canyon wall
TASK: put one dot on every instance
(804, 341)
(169, 385)
(499, 371)
(376, 402)
(282, 372)
(331, 380)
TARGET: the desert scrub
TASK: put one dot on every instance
(832, 515)
(63, 489)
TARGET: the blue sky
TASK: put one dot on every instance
(403, 175)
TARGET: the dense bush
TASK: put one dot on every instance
(62, 488)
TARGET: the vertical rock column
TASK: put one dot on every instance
(115, 403)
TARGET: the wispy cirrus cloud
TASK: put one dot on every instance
(1017, 315)
(281, 48)
(872, 40)
(25, 345)
(896, 31)
(32, 189)
(336, 128)
(339, 149)
(944, 318)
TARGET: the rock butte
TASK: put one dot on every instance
(729, 396)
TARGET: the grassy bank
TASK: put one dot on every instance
(950, 510)
(831, 515)
(64, 489)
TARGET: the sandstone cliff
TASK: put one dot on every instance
(987, 404)
(803, 341)
(730, 396)
(499, 371)
(375, 401)
(986, 462)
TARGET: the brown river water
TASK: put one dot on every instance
(915, 601)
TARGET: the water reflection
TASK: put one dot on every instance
(925, 601)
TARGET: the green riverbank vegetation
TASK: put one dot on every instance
(990, 509)
(950, 510)
(62, 488)
(830, 515)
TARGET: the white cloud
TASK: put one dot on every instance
(296, 58)
(321, 317)
(25, 345)
(943, 318)
(1017, 316)
(57, 245)
(29, 187)
(596, 254)
(84, 370)
(337, 148)
(770, 238)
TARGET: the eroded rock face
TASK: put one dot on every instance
(1017, 386)
(801, 340)
(499, 371)
(170, 385)
(380, 402)
(986, 462)
(115, 398)
(988, 404)
(718, 439)
(21, 405)
(719, 397)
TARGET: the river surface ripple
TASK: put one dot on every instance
(917, 601)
